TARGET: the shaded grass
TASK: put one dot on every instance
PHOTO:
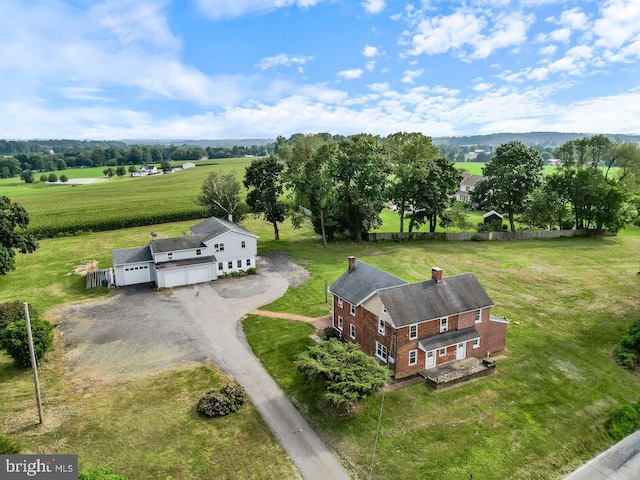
(150, 429)
(543, 413)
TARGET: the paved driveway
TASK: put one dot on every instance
(620, 462)
(192, 324)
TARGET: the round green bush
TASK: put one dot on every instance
(227, 399)
(15, 341)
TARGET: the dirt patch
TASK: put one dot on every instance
(90, 266)
(280, 261)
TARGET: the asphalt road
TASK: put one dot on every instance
(189, 325)
(620, 462)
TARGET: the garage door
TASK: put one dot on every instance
(174, 278)
(198, 275)
(137, 274)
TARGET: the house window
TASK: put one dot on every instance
(248, 262)
(381, 326)
(352, 331)
(381, 352)
(220, 266)
(239, 263)
(413, 332)
(230, 264)
(170, 255)
(340, 322)
(413, 357)
(444, 324)
(198, 251)
(442, 352)
(479, 316)
(339, 302)
(243, 244)
(384, 309)
(353, 310)
(222, 247)
(476, 343)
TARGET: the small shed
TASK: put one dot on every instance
(492, 216)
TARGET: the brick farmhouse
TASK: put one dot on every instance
(415, 326)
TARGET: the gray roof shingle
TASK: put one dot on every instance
(176, 243)
(131, 255)
(427, 300)
(357, 285)
(449, 338)
(214, 227)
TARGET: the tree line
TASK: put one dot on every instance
(344, 183)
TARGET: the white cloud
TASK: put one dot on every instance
(282, 59)
(619, 24)
(560, 35)
(220, 9)
(370, 51)
(548, 50)
(373, 6)
(370, 66)
(378, 87)
(574, 19)
(482, 87)
(351, 74)
(410, 76)
(469, 34)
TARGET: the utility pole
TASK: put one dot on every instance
(33, 361)
(326, 291)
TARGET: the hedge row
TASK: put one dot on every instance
(90, 225)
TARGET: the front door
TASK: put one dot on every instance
(462, 351)
(431, 359)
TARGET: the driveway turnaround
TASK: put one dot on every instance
(191, 324)
(620, 462)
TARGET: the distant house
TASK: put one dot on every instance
(188, 165)
(415, 326)
(491, 217)
(212, 248)
(466, 187)
(145, 170)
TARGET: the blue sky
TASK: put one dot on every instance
(195, 69)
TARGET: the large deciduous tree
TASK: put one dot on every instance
(514, 172)
(410, 154)
(435, 193)
(361, 177)
(13, 221)
(220, 195)
(311, 168)
(264, 179)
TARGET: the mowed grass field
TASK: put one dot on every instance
(540, 416)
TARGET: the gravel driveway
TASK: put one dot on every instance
(138, 331)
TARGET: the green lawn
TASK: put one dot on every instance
(540, 416)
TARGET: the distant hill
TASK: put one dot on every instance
(224, 143)
(545, 139)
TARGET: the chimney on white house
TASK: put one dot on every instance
(436, 274)
(352, 263)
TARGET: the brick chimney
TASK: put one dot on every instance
(352, 263)
(436, 274)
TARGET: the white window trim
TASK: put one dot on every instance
(384, 310)
(476, 343)
(444, 328)
(380, 347)
(415, 357)
(413, 337)
(352, 331)
(479, 316)
(352, 310)
(381, 326)
(440, 354)
(340, 323)
(340, 302)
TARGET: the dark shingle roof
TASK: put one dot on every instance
(176, 243)
(473, 180)
(427, 300)
(131, 255)
(214, 227)
(449, 338)
(357, 285)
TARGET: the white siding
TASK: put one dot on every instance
(182, 254)
(233, 251)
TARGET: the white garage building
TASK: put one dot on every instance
(212, 248)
